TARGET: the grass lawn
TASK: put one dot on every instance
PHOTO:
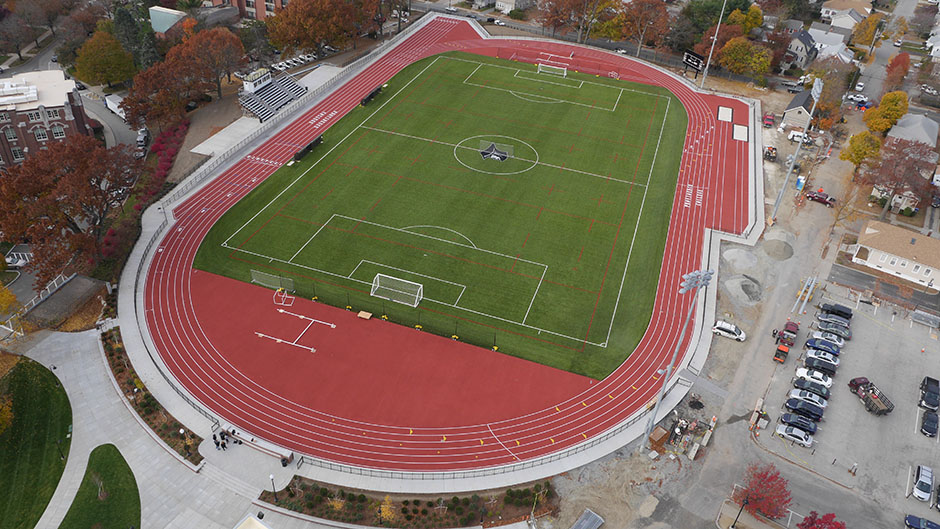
(7, 277)
(108, 495)
(30, 466)
(531, 207)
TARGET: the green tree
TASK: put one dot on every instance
(704, 13)
(102, 60)
(862, 147)
(147, 49)
(126, 31)
(741, 56)
(753, 19)
(736, 18)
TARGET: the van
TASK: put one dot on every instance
(839, 310)
(930, 393)
(729, 330)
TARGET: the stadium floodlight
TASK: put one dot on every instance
(554, 70)
(397, 290)
(690, 282)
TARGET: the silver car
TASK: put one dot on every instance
(829, 337)
(798, 436)
(836, 329)
(822, 355)
(806, 396)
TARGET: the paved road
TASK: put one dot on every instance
(859, 280)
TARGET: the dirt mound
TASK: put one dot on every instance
(744, 289)
(778, 244)
(739, 259)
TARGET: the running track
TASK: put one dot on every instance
(193, 316)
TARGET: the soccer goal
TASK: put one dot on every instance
(554, 70)
(397, 290)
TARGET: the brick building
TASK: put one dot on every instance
(36, 108)
(254, 9)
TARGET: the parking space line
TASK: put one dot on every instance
(907, 482)
(916, 417)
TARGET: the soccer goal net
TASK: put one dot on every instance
(554, 70)
(397, 290)
(272, 281)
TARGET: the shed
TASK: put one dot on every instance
(797, 112)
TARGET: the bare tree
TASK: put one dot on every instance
(904, 166)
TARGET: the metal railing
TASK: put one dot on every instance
(10, 323)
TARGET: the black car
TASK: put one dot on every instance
(810, 411)
(839, 310)
(820, 365)
(812, 387)
(935, 202)
(792, 419)
(928, 425)
(916, 522)
(80, 86)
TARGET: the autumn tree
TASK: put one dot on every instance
(835, 75)
(895, 72)
(864, 33)
(922, 21)
(704, 13)
(254, 37)
(8, 301)
(553, 14)
(31, 15)
(217, 52)
(45, 12)
(681, 35)
(59, 200)
(905, 166)
(160, 93)
(735, 18)
(894, 105)
(102, 60)
(645, 21)
(863, 147)
(387, 510)
(725, 34)
(15, 34)
(742, 56)
(754, 18)
(766, 491)
(778, 41)
(826, 521)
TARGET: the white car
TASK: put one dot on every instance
(857, 98)
(16, 262)
(309, 57)
(830, 337)
(823, 355)
(859, 86)
(897, 43)
(729, 330)
(621, 51)
(806, 396)
(794, 434)
(923, 483)
(814, 376)
(499, 22)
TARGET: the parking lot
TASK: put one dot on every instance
(884, 450)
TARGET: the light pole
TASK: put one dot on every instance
(691, 281)
(735, 522)
(816, 93)
(273, 490)
(714, 41)
(639, 45)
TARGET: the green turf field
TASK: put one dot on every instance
(532, 209)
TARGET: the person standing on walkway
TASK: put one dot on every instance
(216, 443)
(223, 446)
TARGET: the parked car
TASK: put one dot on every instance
(16, 262)
(798, 421)
(928, 423)
(916, 522)
(728, 330)
(814, 376)
(830, 337)
(798, 436)
(769, 120)
(864, 105)
(929, 90)
(812, 387)
(818, 364)
(806, 396)
(930, 393)
(796, 135)
(844, 332)
(935, 202)
(859, 86)
(839, 310)
(823, 355)
(801, 407)
(857, 98)
(80, 86)
(621, 51)
(499, 22)
(923, 483)
(822, 198)
(309, 56)
(897, 43)
(832, 318)
(823, 345)
(54, 58)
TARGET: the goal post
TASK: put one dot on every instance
(551, 69)
(397, 290)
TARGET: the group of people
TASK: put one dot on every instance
(221, 441)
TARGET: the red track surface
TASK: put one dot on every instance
(383, 396)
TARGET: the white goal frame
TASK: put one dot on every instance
(397, 289)
(552, 69)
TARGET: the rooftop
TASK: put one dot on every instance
(29, 90)
(162, 18)
(904, 243)
(916, 127)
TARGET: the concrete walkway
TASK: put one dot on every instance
(26, 49)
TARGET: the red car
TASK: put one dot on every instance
(769, 120)
(820, 197)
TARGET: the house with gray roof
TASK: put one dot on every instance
(797, 112)
(800, 52)
(916, 127)
(847, 19)
(828, 35)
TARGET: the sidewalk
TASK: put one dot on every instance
(28, 48)
(728, 511)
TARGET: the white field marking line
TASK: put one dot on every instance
(479, 65)
(327, 153)
(636, 228)
(312, 320)
(536, 293)
(506, 448)
(617, 102)
(532, 99)
(284, 341)
(514, 92)
(455, 232)
(579, 85)
(535, 162)
(311, 238)
(651, 94)
(442, 303)
(405, 270)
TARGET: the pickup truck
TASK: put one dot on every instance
(874, 400)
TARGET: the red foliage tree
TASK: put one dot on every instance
(726, 33)
(216, 52)
(160, 93)
(826, 521)
(778, 42)
(766, 491)
(897, 69)
(60, 200)
(904, 166)
(645, 21)
(309, 24)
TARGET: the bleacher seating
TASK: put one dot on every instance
(266, 101)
